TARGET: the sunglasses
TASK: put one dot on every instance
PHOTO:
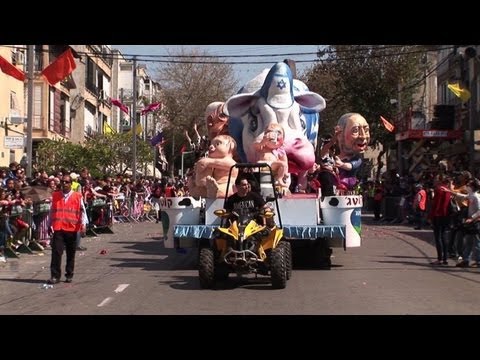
(66, 182)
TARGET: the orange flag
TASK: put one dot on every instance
(11, 70)
(60, 68)
(388, 125)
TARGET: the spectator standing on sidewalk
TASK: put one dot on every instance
(439, 217)
(472, 236)
(419, 206)
(377, 200)
(455, 247)
(77, 188)
(67, 218)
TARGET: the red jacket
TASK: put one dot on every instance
(440, 202)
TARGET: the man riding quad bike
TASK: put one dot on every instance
(247, 240)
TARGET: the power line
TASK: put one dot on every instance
(174, 58)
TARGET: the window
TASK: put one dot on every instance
(14, 105)
(126, 67)
(37, 106)
(90, 76)
(445, 96)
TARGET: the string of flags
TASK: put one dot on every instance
(11, 70)
(459, 92)
(58, 70)
(151, 107)
(388, 125)
(122, 106)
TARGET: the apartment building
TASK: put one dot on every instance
(12, 107)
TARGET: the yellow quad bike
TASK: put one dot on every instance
(243, 245)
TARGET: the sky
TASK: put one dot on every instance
(243, 72)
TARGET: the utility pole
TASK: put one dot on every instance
(173, 155)
(399, 147)
(471, 122)
(120, 114)
(31, 76)
(154, 160)
(133, 119)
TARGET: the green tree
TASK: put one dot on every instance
(102, 154)
(363, 79)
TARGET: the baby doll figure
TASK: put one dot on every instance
(271, 151)
(211, 173)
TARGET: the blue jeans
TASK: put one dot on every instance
(5, 231)
(471, 241)
(440, 224)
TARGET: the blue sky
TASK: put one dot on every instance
(243, 72)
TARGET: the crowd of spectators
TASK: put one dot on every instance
(24, 203)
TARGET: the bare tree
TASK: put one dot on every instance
(189, 83)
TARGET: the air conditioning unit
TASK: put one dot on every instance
(18, 58)
(89, 131)
(17, 120)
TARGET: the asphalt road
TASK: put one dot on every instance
(136, 275)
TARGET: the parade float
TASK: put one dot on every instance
(273, 119)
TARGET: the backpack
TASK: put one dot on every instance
(453, 208)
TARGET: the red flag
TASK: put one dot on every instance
(151, 107)
(183, 149)
(11, 70)
(118, 103)
(60, 68)
(388, 125)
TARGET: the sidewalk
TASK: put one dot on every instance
(404, 228)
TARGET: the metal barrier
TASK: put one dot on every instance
(19, 230)
(100, 216)
(135, 209)
(41, 218)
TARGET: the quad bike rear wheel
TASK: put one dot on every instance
(278, 268)
(287, 248)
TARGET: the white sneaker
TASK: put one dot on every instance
(2, 259)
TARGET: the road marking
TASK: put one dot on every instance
(121, 287)
(105, 302)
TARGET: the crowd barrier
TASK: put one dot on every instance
(100, 216)
(29, 225)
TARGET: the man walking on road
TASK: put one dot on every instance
(67, 218)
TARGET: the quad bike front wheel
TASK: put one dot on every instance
(206, 268)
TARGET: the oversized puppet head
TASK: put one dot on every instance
(216, 120)
(221, 146)
(276, 101)
(352, 134)
(275, 135)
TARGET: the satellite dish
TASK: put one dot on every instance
(76, 102)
